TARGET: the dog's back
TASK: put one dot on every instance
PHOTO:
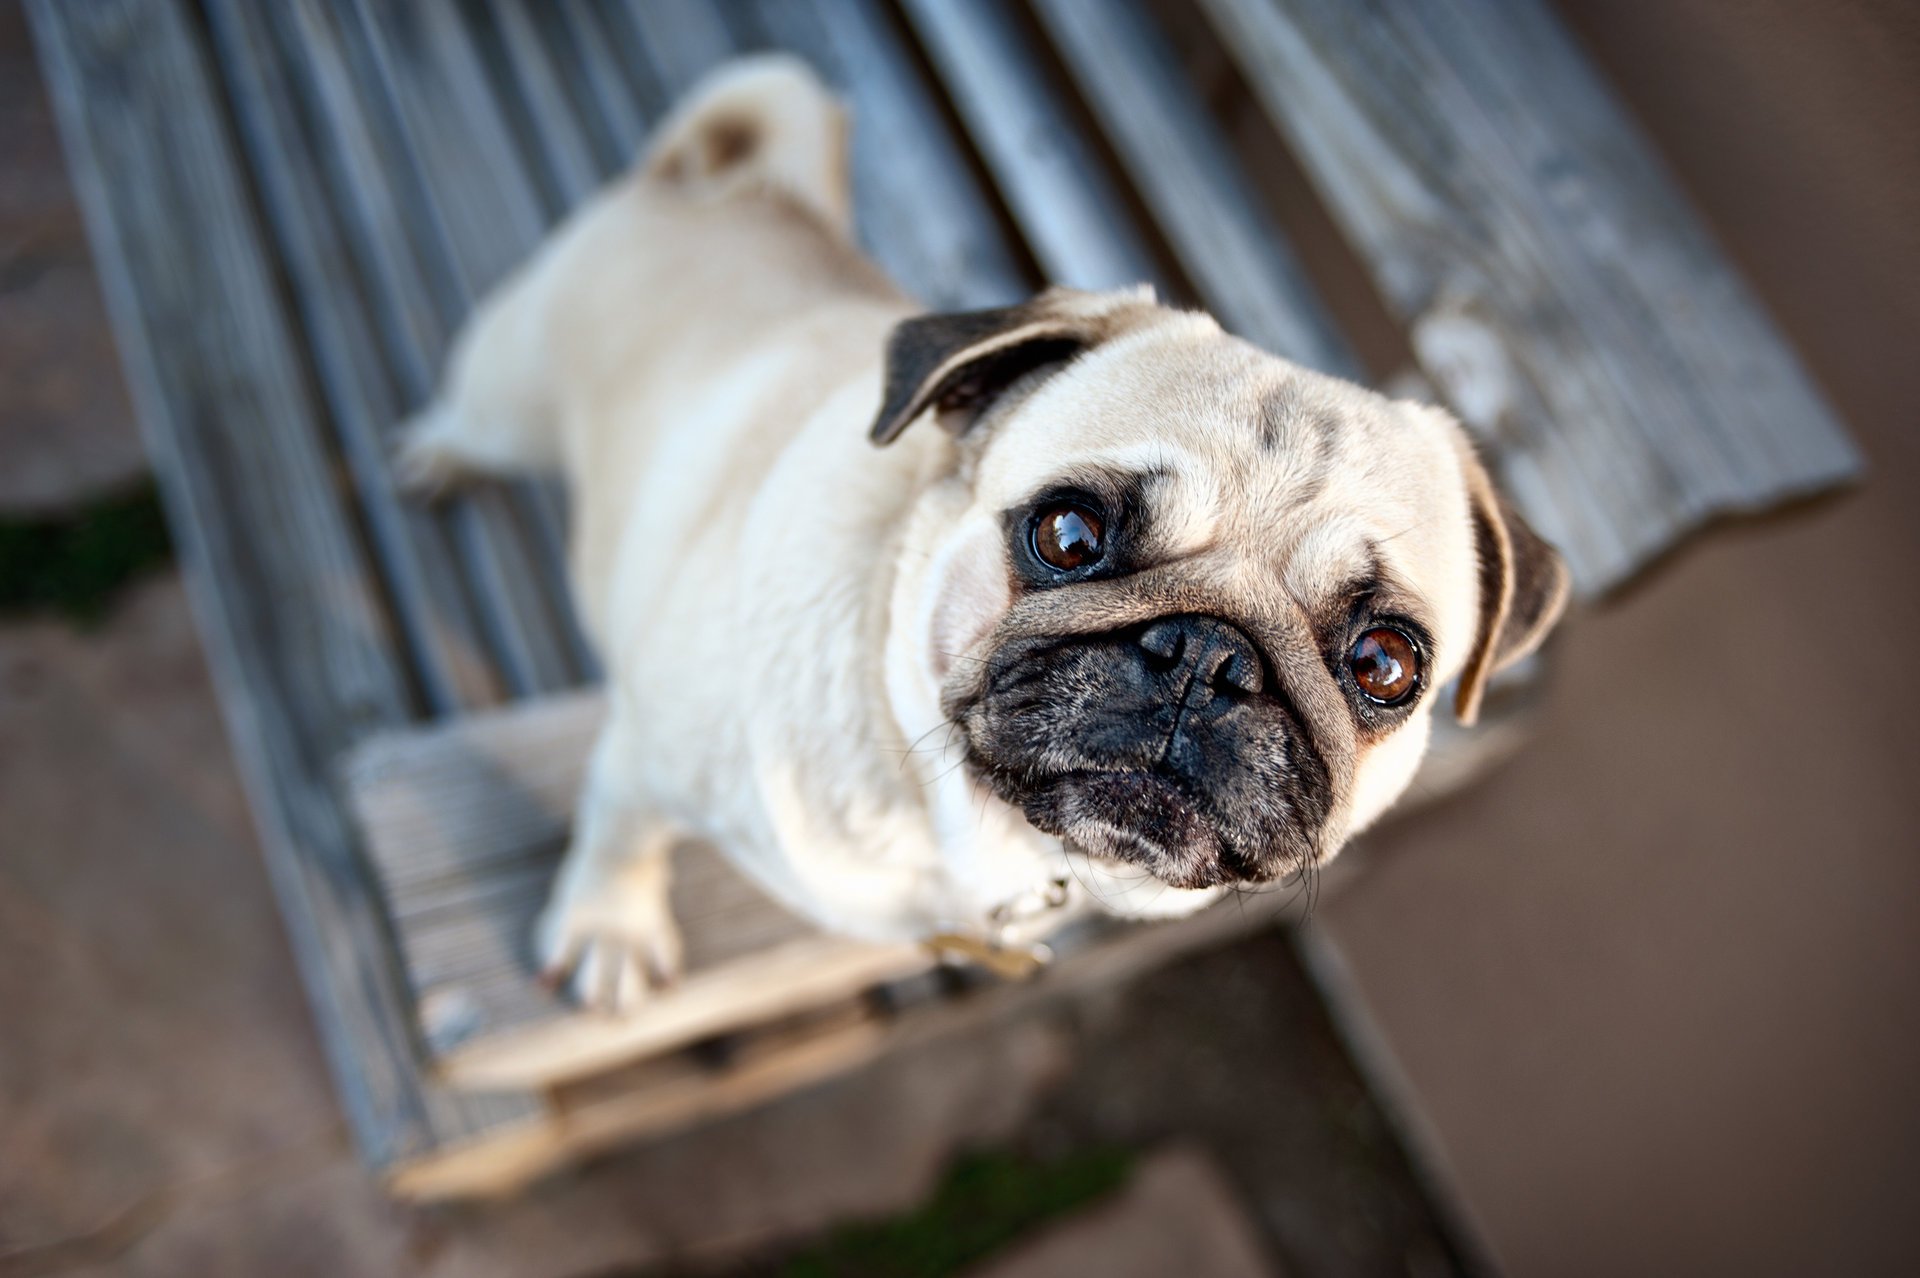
(677, 327)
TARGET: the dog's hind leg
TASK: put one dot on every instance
(494, 412)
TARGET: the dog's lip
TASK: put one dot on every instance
(1094, 775)
(1140, 808)
(1085, 774)
(1134, 784)
(1133, 778)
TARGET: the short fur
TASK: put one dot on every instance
(832, 661)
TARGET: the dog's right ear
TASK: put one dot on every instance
(1524, 585)
(960, 362)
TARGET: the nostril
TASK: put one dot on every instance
(1218, 655)
(1165, 640)
(1237, 669)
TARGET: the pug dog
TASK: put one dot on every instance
(955, 624)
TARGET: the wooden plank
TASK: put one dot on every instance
(1232, 250)
(413, 318)
(212, 365)
(921, 212)
(536, 90)
(1555, 284)
(446, 645)
(1070, 209)
(480, 201)
(413, 294)
(507, 1161)
(682, 40)
(464, 823)
(672, 1095)
(622, 125)
(757, 989)
(651, 100)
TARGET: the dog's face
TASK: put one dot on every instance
(1191, 605)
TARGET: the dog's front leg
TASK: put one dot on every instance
(607, 932)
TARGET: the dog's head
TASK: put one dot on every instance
(1191, 605)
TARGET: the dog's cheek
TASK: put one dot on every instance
(968, 593)
(1386, 769)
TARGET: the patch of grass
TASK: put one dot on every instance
(75, 564)
(985, 1202)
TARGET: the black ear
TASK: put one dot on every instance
(961, 361)
(1523, 587)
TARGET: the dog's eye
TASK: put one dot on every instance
(1385, 665)
(1068, 537)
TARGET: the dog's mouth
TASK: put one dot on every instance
(1112, 744)
(1134, 815)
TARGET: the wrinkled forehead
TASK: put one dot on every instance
(1245, 463)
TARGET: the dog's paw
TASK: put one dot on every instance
(427, 461)
(612, 946)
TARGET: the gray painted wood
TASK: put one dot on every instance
(414, 298)
(591, 43)
(1232, 251)
(1555, 284)
(561, 145)
(919, 209)
(650, 98)
(681, 40)
(1072, 213)
(480, 199)
(464, 824)
(296, 641)
(446, 644)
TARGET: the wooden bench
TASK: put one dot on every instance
(294, 203)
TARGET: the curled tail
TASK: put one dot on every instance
(760, 123)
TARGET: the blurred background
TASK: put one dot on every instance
(1641, 1001)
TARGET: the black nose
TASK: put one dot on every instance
(1218, 655)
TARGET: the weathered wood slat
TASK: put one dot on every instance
(412, 292)
(767, 985)
(445, 643)
(682, 40)
(621, 126)
(464, 825)
(560, 141)
(918, 207)
(665, 1100)
(481, 201)
(1555, 284)
(296, 642)
(672, 1093)
(1233, 252)
(637, 77)
(1069, 208)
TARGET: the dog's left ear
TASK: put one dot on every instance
(960, 362)
(1523, 586)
